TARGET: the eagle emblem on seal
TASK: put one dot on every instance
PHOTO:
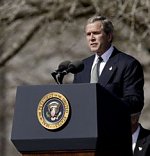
(54, 111)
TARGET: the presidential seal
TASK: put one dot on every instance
(53, 111)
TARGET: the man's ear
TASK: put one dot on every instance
(110, 37)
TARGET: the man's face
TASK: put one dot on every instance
(98, 40)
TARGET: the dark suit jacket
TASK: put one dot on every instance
(122, 76)
(143, 143)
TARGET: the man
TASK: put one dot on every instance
(140, 137)
(119, 73)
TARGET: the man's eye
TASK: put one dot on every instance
(96, 33)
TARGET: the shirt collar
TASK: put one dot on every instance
(135, 135)
(106, 54)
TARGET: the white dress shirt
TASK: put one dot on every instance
(105, 58)
(134, 138)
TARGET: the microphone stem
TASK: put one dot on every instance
(61, 77)
(54, 75)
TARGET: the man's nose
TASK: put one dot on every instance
(92, 36)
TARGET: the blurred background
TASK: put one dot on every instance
(36, 35)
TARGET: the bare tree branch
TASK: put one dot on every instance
(130, 13)
(23, 41)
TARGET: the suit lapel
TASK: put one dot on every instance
(88, 65)
(140, 145)
(109, 68)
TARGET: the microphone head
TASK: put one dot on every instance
(63, 66)
(76, 67)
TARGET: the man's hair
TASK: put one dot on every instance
(107, 24)
(135, 114)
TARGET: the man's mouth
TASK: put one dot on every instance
(93, 44)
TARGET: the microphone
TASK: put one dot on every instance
(62, 66)
(74, 67)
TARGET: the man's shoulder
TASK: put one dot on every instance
(124, 56)
(145, 129)
(144, 132)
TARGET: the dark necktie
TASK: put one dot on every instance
(95, 71)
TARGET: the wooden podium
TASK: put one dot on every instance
(63, 154)
(76, 154)
(98, 123)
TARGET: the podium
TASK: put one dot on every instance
(97, 122)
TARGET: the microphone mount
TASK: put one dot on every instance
(62, 66)
(74, 67)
